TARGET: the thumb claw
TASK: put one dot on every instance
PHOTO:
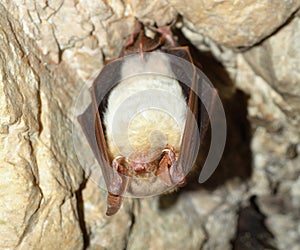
(113, 204)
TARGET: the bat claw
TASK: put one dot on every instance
(166, 33)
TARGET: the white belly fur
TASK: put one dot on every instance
(137, 117)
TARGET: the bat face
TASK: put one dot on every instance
(147, 134)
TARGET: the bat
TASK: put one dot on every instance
(118, 126)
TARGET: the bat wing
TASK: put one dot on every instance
(91, 124)
(197, 119)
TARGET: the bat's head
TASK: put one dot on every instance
(141, 163)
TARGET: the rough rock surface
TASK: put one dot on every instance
(39, 171)
(50, 49)
(273, 83)
(277, 61)
(238, 23)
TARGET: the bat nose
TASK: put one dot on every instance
(140, 167)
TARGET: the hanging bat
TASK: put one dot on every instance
(119, 133)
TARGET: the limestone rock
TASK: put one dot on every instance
(277, 61)
(104, 232)
(159, 12)
(38, 182)
(276, 161)
(238, 23)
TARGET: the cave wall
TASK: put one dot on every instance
(250, 51)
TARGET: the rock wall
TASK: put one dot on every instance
(250, 51)
(39, 170)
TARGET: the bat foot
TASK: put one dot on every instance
(166, 33)
(131, 39)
